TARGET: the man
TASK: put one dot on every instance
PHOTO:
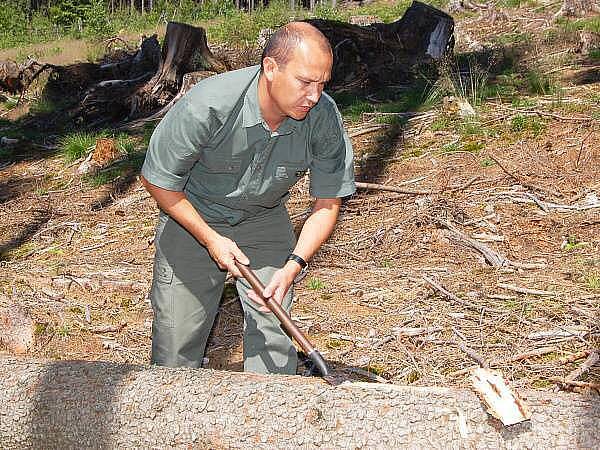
(220, 165)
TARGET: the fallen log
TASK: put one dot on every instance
(79, 404)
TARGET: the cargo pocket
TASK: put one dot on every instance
(162, 294)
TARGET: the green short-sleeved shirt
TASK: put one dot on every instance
(214, 145)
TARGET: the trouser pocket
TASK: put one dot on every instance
(161, 295)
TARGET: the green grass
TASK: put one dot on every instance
(592, 281)
(441, 123)
(63, 330)
(573, 243)
(521, 123)
(314, 284)
(77, 145)
(6, 153)
(517, 3)
(100, 178)
(588, 24)
(487, 162)
(514, 38)
(594, 54)
(452, 147)
(521, 102)
(541, 84)
(17, 252)
(221, 20)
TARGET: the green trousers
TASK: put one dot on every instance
(187, 286)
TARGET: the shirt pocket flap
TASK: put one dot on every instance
(232, 165)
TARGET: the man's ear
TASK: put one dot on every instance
(269, 68)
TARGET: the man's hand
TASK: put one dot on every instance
(225, 252)
(278, 286)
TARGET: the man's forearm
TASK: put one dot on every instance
(176, 205)
(318, 227)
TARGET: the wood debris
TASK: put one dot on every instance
(501, 402)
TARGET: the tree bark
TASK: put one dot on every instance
(184, 50)
(385, 54)
(78, 404)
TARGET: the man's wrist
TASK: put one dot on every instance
(298, 265)
(298, 259)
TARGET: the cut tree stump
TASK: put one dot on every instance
(184, 50)
(99, 405)
(382, 54)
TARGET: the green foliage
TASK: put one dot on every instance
(487, 162)
(440, 123)
(451, 147)
(63, 330)
(594, 54)
(314, 284)
(517, 3)
(540, 83)
(77, 145)
(103, 177)
(522, 102)
(466, 80)
(522, 123)
(588, 24)
(592, 281)
(513, 38)
(572, 243)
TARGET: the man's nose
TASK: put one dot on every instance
(314, 93)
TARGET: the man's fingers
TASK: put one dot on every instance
(255, 298)
(240, 257)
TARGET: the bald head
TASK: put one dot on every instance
(282, 44)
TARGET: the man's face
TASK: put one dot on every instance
(297, 86)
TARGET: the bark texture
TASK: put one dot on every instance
(386, 54)
(78, 404)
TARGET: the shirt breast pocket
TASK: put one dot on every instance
(211, 164)
(285, 175)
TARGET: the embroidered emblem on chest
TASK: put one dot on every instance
(281, 173)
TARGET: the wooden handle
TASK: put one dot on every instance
(276, 309)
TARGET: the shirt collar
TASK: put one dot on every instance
(252, 116)
(250, 109)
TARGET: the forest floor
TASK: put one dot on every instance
(403, 284)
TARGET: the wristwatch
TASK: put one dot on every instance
(303, 266)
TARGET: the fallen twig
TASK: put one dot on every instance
(107, 328)
(591, 360)
(449, 294)
(581, 384)
(370, 129)
(523, 290)
(383, 187)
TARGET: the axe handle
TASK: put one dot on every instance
(276, 309)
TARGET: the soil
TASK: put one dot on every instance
(524, 182)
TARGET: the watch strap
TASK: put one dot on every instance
(293, 257)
